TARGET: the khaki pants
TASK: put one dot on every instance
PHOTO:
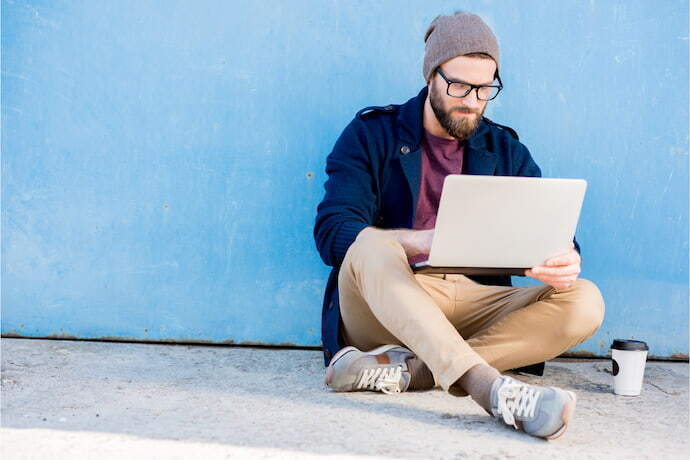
(455, 323)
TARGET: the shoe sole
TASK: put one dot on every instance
(565, 416)
(329, 372)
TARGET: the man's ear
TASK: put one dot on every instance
(432, 76)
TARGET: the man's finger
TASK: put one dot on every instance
(548, 277)
(560, 283)
(551, 280)
(564, 259)
(557, 271)
(560, 287)
(557, 279)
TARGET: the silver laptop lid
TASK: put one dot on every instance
(498, 221)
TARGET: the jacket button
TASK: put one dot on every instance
(404, 150)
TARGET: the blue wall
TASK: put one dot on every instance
(162, 160)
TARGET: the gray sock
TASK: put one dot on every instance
(420, 375)
(477, 382)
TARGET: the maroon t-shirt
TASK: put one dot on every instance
(440, 157)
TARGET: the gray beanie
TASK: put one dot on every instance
(456, 35)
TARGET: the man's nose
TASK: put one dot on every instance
(471, 100)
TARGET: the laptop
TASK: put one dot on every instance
(500, 225)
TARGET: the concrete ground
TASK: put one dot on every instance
(68, 399)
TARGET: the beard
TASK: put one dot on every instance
(460, 128)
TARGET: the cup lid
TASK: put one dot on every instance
(629, 345)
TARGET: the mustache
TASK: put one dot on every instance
(462, 110)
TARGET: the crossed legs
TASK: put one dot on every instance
(455, 323)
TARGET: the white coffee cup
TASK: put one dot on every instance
(628, 358)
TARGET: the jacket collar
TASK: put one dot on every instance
(477, 160)
(410, 125)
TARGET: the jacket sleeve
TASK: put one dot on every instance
(349, 203)
(526, 165)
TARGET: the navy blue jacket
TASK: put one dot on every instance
(374, 173)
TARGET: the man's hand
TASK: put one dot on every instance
(559, 272)
(415, 241)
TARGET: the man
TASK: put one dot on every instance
(385, 176)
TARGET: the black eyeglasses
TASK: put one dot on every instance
(461, 89)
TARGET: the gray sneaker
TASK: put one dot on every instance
(540, 411)
(382, 369)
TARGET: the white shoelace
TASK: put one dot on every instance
(516, 399)
(385, 379)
